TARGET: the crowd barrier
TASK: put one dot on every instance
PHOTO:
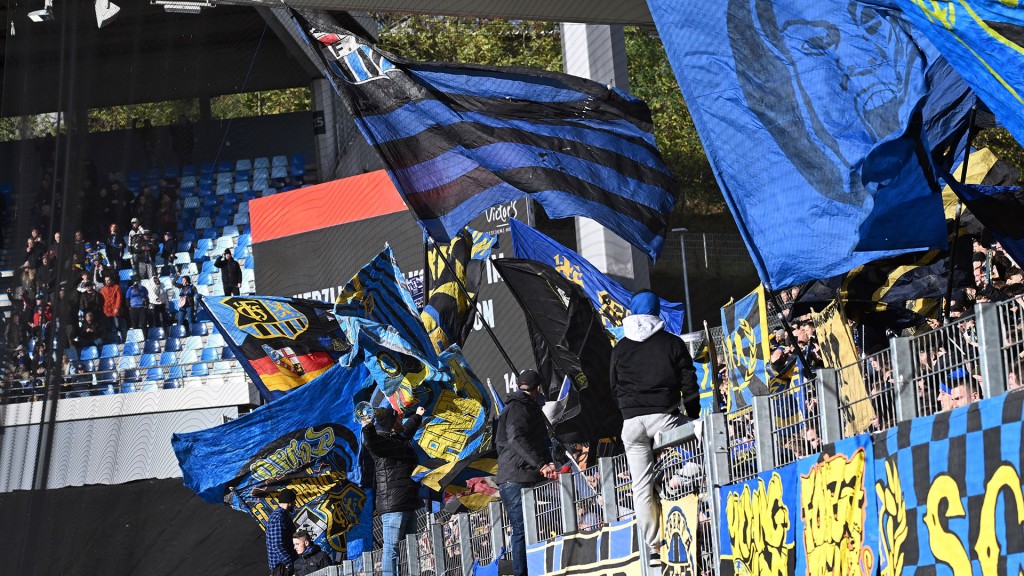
(982, 352)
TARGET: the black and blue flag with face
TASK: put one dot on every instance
(819, 118)
(457, 139)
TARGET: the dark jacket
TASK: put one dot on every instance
(652, 373)
(524, 446)
(311, 560)
(230, 272)
(393, 464)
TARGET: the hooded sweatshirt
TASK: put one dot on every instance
(651, 370)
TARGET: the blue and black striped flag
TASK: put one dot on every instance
(459, 138)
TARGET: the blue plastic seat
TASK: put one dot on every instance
(131, 349)
(109, 351)
(200, 329)
(152, 347)
(156, 333)
(173, 345)
(130, 377)
(127, 362)
(125, 275)
(88, 353)
(190, 235)
(168, 358)
(200, 369)
(107, 364)
(225, 166)
(210, 354)
(149, 360)
(176, 331)
(226, 353)
(188, 170)
(184, 246)
(280, 161)
(194, 342)
(188, 357)
(176, 371)
(135, 335)
(90, 365)
(155, 373)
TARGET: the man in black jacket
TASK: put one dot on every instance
(230, 273)
(396, 494)
(652, 373)
(311, 557)
(524, 457)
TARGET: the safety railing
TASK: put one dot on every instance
(375, 561)
(1011, 340)
(121, 381)
(793, 421)
(451, 546)
(875, 409)
(587, 499)
(945, 366)
(547, 513)
(742, 444)
(403, 557)
(427, 564)
(623, 487)
(480, 534)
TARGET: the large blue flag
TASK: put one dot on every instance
(608, 296)
(377, 313)
(984, 41)
(308, 441)
(810, 112)
(458, 138)
(745, 347)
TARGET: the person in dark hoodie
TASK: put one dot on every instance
(524, 457)
(652, 373)
(396, 495)
(311, 557)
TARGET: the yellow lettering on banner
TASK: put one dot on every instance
(946, 546)
(565, 267)
(758, 522)
(943, 13)
(987, 546)
(833, 506)
(445, 435)
(892, 520)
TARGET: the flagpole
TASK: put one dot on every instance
(956, 220)
(472, 302)
(713, 361)
(789, 330)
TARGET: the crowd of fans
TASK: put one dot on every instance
(91, 290)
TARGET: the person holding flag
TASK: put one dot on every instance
(280, 529)
(397, 494)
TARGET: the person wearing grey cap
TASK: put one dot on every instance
(524, 456)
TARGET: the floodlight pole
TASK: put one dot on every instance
(686, 280)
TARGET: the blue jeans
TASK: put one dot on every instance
(396, 526)
(187, 317)
(512, 498)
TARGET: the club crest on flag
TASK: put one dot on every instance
(267, 319)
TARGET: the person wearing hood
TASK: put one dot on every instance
(652, 374)
(311, 557)
(396, 494)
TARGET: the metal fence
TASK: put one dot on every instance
(623, 487)
(403, 557)
(480, 535)
(794, 422)
(548, 510)
(376, 557)
(452, 547)
(587, 499)
(875, 409)
(742, 446)
(945, 364)
(428, 567)
(681, 470)
(1011, 340)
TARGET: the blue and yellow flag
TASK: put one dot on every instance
(608, 296)
(448, 315)
(745, 324)
(281, 343)
(377, 314)
(307, 441)
(820, 118)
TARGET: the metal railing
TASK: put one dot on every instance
(403, 557)
(741, 444)
(1011, 341)
(945, 364)
(452, 547)
(794, 423)
(623, 487)
(427, 565)
(547, 514)
(480, 535)
(877, 410)
(587, 499)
